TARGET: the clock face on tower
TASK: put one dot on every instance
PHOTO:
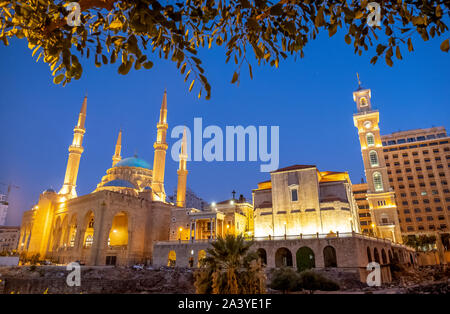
(367, 124)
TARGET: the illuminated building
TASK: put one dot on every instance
(418, 163)
(365, 220)
(302, 200)
(380, 195)
(407, 174)
(115, 224)
(9, 238)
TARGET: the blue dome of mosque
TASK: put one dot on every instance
(120, 183)
(133, 162)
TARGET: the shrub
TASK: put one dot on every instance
(310, 280)
(285, 279)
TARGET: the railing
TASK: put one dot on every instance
(289, 237)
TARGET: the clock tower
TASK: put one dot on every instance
(380, 195)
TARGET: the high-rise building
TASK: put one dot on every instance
(9, 238)
(365, 219)
(418, 164)
(3, 209)
(407, 175)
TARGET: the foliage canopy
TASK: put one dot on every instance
(137, 32)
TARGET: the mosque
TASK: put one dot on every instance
(119, 221)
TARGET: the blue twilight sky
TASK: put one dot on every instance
(309, 99)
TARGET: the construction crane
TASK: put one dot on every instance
(10, 187)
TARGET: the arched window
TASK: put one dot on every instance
(376, 255)
(370, 139)
(369, 255)
(262, 255)
(329, 256)
(377, 182)
(373, 158)
(89, 241)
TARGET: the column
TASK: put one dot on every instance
(195, 229)
(210, 228)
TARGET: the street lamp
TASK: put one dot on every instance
(285, 230)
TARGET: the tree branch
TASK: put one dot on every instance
(84, 6)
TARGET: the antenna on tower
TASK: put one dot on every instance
(359, 81)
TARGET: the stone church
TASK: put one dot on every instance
(119, 221)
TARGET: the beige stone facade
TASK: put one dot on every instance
(9, 238)
(301, 200)
(380, 195)
(351, 253)
(116, 224)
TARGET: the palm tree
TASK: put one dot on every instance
(230, 268)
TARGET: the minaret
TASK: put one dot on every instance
(381, 197)
(160, 146)
(75, 151)
(117, 156)
(182, 173)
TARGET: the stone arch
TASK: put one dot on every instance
(369, 255)
(64, 232)
(71, 231)
(88, 227)
(396, 258)
(383, 257)
(376, 256)
(283, 257)
(329, 256)
(172, 258)
(201, 256)
(56, 234)
(262, 255)
(118, 234)
(305, 258)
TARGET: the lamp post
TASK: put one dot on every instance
(285, 231)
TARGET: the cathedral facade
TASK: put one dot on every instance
(116, 224)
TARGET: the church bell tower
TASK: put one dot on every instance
(380, 195)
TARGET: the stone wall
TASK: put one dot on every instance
(52, 279)
(351, 253)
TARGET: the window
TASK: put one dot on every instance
(373, 157)
(294, 195)
(363, 102)
(377, 182)
(370, 139)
